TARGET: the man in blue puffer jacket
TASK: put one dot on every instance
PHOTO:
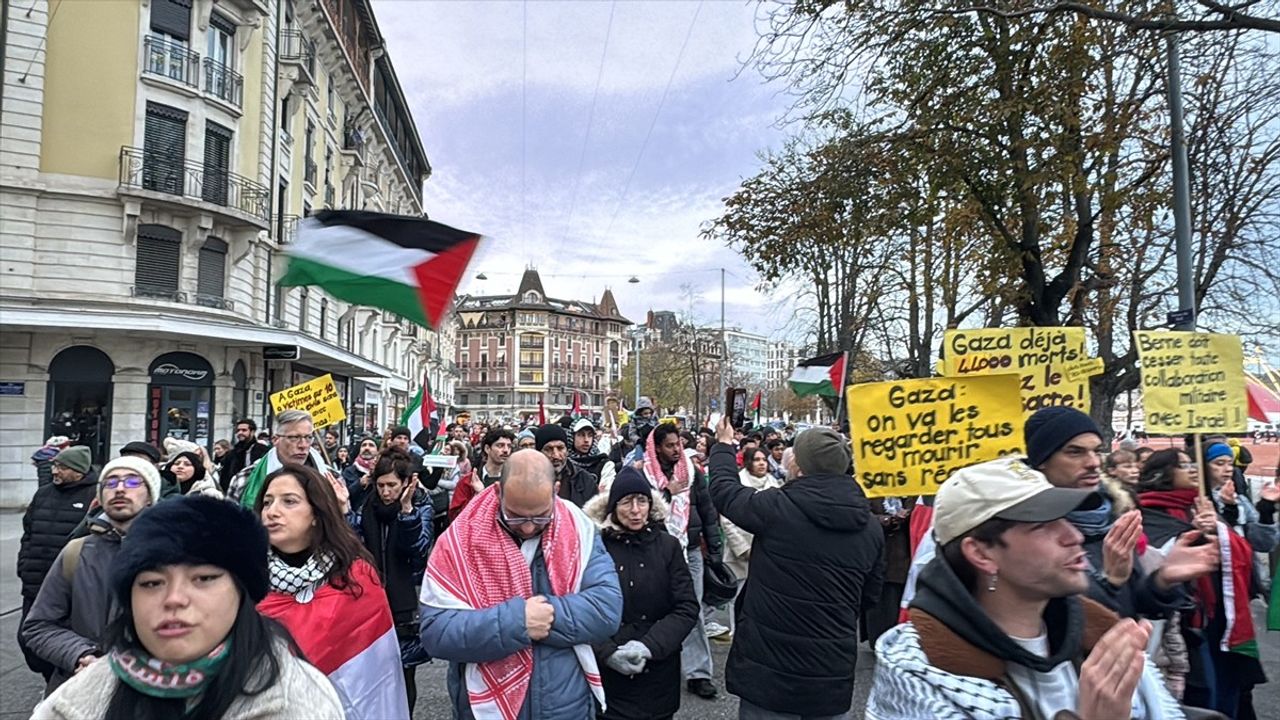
(517, 590)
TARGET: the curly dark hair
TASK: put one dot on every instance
(332, 535)
(1157, 471)
(393, 462)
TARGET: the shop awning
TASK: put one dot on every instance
(155, 323)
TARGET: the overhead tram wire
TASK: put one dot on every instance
(591, 116)
(626, 188)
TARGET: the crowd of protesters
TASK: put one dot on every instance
(565, 570)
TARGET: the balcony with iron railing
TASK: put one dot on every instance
(223, 83)
(310, 171)
(194, 182)
(286, 229)
(170, 59)
(296, 49)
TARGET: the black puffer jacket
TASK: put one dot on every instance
(55, 511)
(817, 559)
(659, 609)
(576, 485)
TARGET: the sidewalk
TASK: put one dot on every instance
(10, 534)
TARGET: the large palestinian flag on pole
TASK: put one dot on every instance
(822, 375)
(407, 265)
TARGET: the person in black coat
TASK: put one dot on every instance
(244, 453)
(640, 664)
(55, 510)
(576, 485)
(816, 560)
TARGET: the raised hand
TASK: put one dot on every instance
(1118, 546)
(341, 491)
(1187, 561)
(1110, 675)
(1271, 492)
(1206, 517)
(1228, 492)
(406, 497)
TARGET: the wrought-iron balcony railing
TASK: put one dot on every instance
(309, 172)
(151, 170)
(295, 47)
(287, 229)
(223, 83)
(173, 60)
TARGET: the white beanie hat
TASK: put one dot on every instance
(145, 470)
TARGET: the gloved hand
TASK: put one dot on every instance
(625, 663)
(636, 649)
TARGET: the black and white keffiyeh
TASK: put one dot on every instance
(300, 582)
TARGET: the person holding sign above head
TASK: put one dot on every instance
(292, 444)
(999, 627)
(1065, 445)
(817, 557)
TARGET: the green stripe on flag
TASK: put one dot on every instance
(356, 288)
(253, 486)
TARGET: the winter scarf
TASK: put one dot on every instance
(678, 518)
(476, 565)
(157, 678)
(1093, 523)
(300, 582)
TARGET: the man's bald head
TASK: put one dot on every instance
(528, 492)
(528, 468)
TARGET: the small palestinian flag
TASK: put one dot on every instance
(422, 419)
(576, 410)
(822, 375)
(408, 265)
(542, 411)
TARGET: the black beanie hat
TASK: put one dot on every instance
(629, 481)
(194, 530)
(549, 433)
(399, 430)
(1050, 428)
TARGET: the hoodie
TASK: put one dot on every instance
(817, 558)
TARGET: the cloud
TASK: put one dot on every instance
(503, 116)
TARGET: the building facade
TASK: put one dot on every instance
(782, 360)
(747, 358)
(513, 351)
(154, 159)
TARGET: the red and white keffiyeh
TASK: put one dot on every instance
(475, 565)
(678, 513)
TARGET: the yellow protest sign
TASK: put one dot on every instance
(1085, 369)
(1192, 382)
(318, 397)
(910, 435)
(1039, 356)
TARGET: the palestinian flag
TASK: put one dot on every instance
(542, 411)
(822, 375)
(350, 637)
(408, 265)
(422, 419)
(755, 406)
(576, 410)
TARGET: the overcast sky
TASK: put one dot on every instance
(503, 96)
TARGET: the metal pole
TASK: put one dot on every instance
(1181, 187)
(724, 345)
(636, 339)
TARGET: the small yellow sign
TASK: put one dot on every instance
(1082, 371)
(909, 436)
(318, 397)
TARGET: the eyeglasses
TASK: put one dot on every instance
(297, 439)
(636, 501)
(517, 521)
(129, 481)
(1187, 465)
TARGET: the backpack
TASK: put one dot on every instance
(71, 558)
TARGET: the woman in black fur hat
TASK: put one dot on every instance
(189, 642)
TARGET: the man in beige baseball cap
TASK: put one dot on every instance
(999, 623)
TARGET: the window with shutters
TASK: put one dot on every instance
(217, 163)
(212, 273)
(158, 262)
(167, 48)
(164, 149)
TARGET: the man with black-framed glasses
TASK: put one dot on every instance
(71, 611)
(520, 587)
(292, 444)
